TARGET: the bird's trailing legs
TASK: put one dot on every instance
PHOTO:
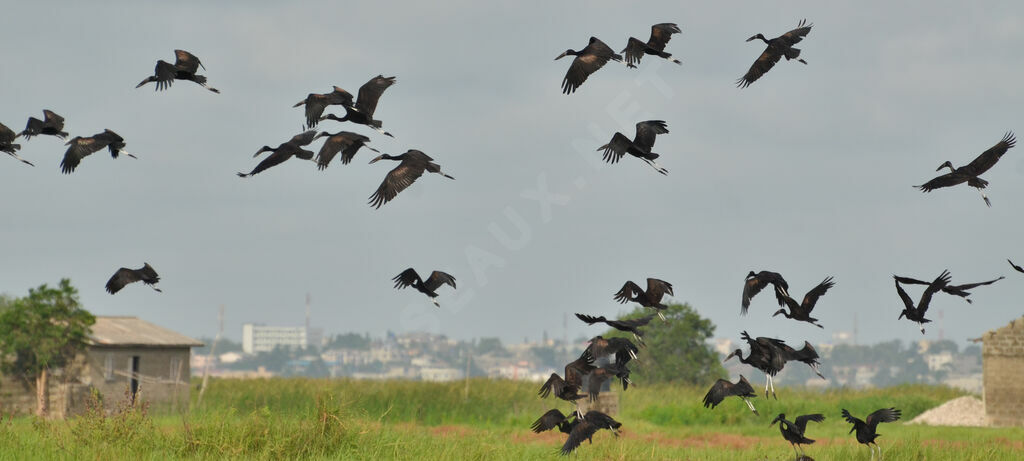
(769, 384)
(657, 167)
(434, 300)
(157, 289)
(12, 154)
(128, 154)
(381, 131)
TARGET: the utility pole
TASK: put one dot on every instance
(209, 358)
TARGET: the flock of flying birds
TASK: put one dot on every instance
(605, 358)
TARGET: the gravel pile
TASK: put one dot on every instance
(963, 411)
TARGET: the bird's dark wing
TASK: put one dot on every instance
(910, 281)
(852, 419)
(122, 277)
(438, 278)
(801, 421)
(661, 34)
(303, 138)
(885, 415)
(811, 298)
(939, 283)
(718, 392)
(370, 92)
(163, 74)
(907, 301)
(589, 319)
(751, 287)
(628, 292)
(401, 177)
(331, 147)
(794, 36)
(583, 431)
(590, 59)
(595, 380)
(968, 286)
(406, 278)
(554, 383)
(989, 158)
(646, 132)
(1016, 267)
(657, 289)
(577, 369)
(315, 105)
(548, 421)
(51, 119)
(631, 323)
(7, 136)
(634, 51)
(186, 62)
(79, 149)
(355, 141)
(272, 160)
(946, 180)
(616, 148)
(761, 66)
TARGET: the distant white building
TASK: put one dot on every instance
(262, 338)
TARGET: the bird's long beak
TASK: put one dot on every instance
(778, 312)
(561, 56)
(731, 355)
(752, 38)
(320, 135)
(376, 158)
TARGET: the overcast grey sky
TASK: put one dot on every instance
(807, 172)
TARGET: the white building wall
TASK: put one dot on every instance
(262, 338)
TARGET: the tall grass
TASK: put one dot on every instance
(401, 420)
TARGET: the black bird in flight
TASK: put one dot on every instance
(1014, 266)
(655, 46)
(411, 166)
(777, 48)
(346, 142)
(955, 290)
(184, 68)
(656, 290)
(124, 276)
(627, 325)
(969, 173)
(793, 432)
(866, 429)
(802, 311)
(568, 388)
(770, 356)
(589, 424)
(362, 111)
(51, 124)
(623, 349)
(601, 374)
(587, 61)
(754, 283)
(916, 314)
(83, 147)
(722, 389)
(316, 103)
(7, 144)
(409, 278)
(552, 419)
(640, 147)
(285, 151)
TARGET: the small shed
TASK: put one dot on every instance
(1002, 355)
(127, 358)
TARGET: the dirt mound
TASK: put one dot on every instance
(963, 411)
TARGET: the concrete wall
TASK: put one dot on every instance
(1003, 362)
(107, 370)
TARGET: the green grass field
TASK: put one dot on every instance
(341, 419)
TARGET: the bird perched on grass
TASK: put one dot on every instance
(755, 282)
(793, 432)
(124, 276)
(722, 389)
(969, 173)
(802, 311)
(184, 68)
(655, 46)
(866, 429)
(656, 290)
(777, 48)
(409, 278)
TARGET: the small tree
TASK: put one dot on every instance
(677, 351)
(41, 332)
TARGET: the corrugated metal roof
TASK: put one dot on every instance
(133, 331)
